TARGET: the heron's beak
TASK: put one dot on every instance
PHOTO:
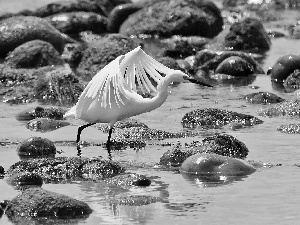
(197, 81)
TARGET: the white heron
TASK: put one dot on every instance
(112, 95)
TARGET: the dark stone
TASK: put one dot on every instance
(215, 165)
(179, 17)
(101, 52)
(178, 46)
(45, 124)
(41, 112)
(221, 144)
(58, 86)
(36, 147)
(108, 5)
(68, 6)
(37, 203)
(211, 60)
(284, 66)
(263, 98)
(75, 22)
(216, 118)
(248, 34)
(119, 14)
(2, 171)
(68, 169)
(169, 62)
(294, 31)
(235, 66)
(25, 180)
(33, 54)
(33, 28)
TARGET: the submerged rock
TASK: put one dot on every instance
(75, 22)
(178, 17)
(129, 179)
(134, 200)
(45, 124)
(25, 180)
(216, 118)
(36, 147)
(263, 98)
(214, 165)
(68, 169)
(248, 34)
(18, 30)
(33, 54)
(289, 129)
(37, 203)
(289, 108)
(55, 113)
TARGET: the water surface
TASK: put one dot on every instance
(269, 196)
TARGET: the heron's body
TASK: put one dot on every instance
(112, 93)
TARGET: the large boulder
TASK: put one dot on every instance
(39, 204)
(20, 29)
(182, 17)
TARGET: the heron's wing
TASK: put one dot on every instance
(106, 83)
(141, 71)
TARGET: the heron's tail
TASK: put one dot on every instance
(71, 113)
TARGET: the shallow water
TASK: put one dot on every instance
(268, 196)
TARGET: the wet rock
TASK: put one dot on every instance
(102, 51)
(211, 60)
(248, 34)
(129, 179)
(215, 166)
(2, 171)
(289, 129)
(221, 144)
(175, 18)
(25, 180)
(119, 14)
(18, 30)
(45, 124)
(294, 30)
(290, 108)
(292, 82)
(3, 205)
(39, 204)
(68, 6)
(33, 54)
(284, 66)
(178, 46)
(73, 53)
(108, 5)
(58, 86)
(169, 62)
(126, 123)
(263, 98)
(68, 169)
(36, 147)
(235, 66)
(75, 22)
(134, 200)
(216, 118)
(51, 112)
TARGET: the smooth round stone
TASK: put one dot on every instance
(25, 180)
(36, 147)
(235, 66)
(284, 66)
(213, 164)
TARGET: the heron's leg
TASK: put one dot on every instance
(78, 136)
(108, 143)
